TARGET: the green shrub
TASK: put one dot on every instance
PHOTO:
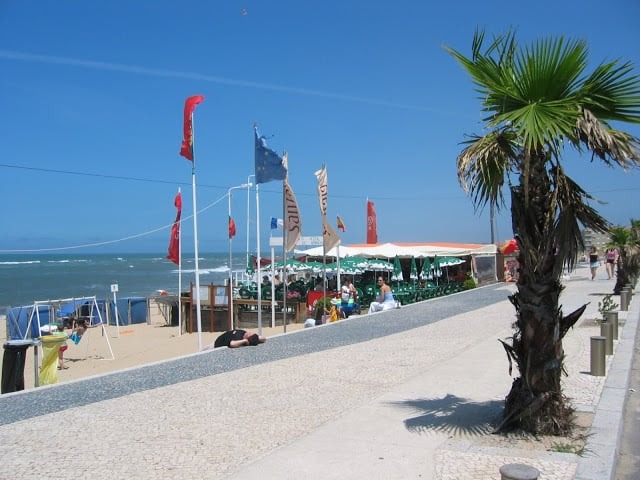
(606, 305)
(322, 306)
(469, 283)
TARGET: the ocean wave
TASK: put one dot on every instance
(69, 260)
(24, 262)
(204, 271)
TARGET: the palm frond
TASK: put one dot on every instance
(611, 92)
(573, 211)
(483, 166)
(611, 146)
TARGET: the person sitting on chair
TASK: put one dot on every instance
(349, 297)
(385, 300)
(238, 338)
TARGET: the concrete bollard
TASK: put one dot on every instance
(518, 471)
(606, 331)
(612, 318)
(624, 300)
(597, 356)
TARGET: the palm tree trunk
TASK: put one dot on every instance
(535, 402)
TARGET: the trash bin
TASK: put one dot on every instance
(13, 365)
(50, 347)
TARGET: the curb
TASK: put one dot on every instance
(603, 444)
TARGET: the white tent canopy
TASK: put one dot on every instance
(404, 250)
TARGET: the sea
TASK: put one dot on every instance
(27, 278)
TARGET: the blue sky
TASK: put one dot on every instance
(92, 93)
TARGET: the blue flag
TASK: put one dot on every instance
(269, 165)
(276, 223)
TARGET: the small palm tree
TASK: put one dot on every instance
(538, 101)
(619, 238)
(627, 241)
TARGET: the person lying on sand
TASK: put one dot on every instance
(238, 338)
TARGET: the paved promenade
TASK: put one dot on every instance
(405, 394)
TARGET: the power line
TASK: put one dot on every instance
(117, 240)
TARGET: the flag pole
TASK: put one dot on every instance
(338, 284)
(273, 283)
(195, 248)
(284, 257)
(230, 281)
(247, 186)
(180, 272)
(248, 214)
(259, 279)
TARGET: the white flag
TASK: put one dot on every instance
(330, 237)
(292, 221)
(321, 175)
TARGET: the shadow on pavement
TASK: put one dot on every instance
(453, 415)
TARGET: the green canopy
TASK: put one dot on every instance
(425, 273)
(414, 269)
(293, 266)
(347, 267)
(250, 269)
(397, 270)
(449, 261)
(437, 271)
(379, 265)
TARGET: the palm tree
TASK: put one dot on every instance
(538, 101)
(620, 238)
(627, 242)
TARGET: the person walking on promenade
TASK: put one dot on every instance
(611, 257)
(385, 300)
(594, 261)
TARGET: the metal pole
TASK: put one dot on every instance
(247, 186)
(258, 258)
(230, 263)
(115, 309)
(248, 215)
(180, 269)
(195, 254)
(519, 471)
(598, 356)
(612, 318)
(624, 300)
(606, 331)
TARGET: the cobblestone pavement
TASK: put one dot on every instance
(467, 460)
(413, 404)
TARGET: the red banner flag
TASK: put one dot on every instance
(187, 143)
(341, 225)
(372, 227)
(232, 227)
(174, 242)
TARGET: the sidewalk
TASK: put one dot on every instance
(409, 393)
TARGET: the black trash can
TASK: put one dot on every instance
(15, 352)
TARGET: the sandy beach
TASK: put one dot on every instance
(132, 346)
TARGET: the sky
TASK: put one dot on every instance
(92, 97)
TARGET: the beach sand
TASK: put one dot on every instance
(132, 346)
